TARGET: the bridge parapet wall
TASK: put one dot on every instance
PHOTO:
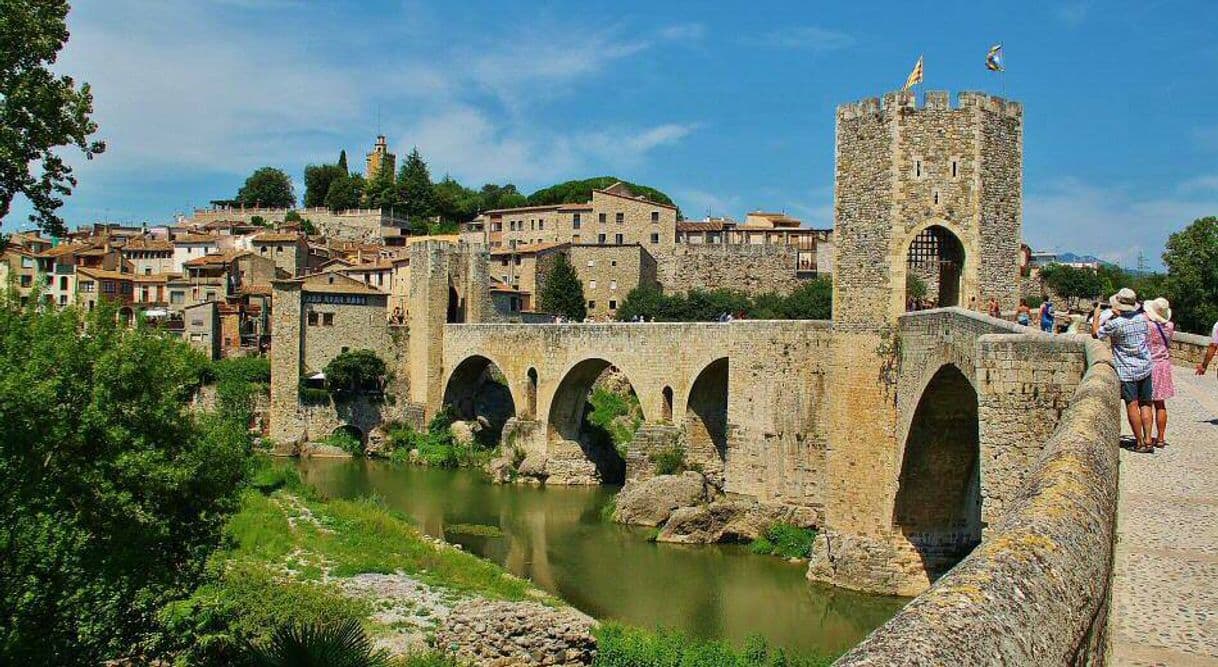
(1036, 591)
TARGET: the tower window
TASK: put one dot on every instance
(955, 169)
(917, 169)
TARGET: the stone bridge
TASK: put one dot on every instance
(949, 409)
(744, 398)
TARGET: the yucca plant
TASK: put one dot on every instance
(342, 644)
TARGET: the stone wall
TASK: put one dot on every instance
(1036, 591)
(749, 268)
(353, 225)
(517, 634)
(1189, 349)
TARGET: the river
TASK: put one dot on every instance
(556, 537)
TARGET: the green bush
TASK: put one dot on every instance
(437, 447)
(114, 492)
(355, 370)
(607, 407)
(623, 646)
(245, 369)
(785, 540)
(347, 442)
(313, 395)
(669, 459)
(342, 644)
(762, 547)
(812, 300)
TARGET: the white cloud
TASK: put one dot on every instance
(1204, 183)
(1111, 223)
(812, 38)
(696, 204)
(684, 32)
(1072, 13)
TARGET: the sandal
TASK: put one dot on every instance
(1144, 449)
(1160, 444)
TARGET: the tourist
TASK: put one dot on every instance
(1209, 354)
(972, 303)
(1127, 331)
(1047, 319)
(1023, 314)
(1158, 318)
(995, 308)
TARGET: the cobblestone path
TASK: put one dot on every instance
(1165, 589)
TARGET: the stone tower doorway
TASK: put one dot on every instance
(936, 259)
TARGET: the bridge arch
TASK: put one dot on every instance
(477, 387)
(351, 430)
(938, 500)
(706, 416)
(567, 435)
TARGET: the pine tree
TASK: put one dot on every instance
(342, 161)
(563, 293)
(415, 186)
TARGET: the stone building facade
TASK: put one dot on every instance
(614, 216)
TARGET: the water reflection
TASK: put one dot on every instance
(556, 537)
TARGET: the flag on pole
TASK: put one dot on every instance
(993, 59)
(915, 76)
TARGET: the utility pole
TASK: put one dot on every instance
(1141, 262)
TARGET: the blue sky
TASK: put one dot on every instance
(728, 107)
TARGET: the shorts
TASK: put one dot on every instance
(1141, 391)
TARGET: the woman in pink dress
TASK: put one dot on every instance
(1158, 319)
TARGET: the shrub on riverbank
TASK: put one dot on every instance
(785, 540)
(437, 447)
(669, 459)
(624, 646)
(346, 442)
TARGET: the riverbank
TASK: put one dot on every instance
(294, 557)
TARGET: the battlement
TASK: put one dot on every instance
(933, 100)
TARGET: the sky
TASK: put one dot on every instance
(726, 106)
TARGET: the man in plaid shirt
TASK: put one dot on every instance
(1127, 330)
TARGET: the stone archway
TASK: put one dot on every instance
(938, 501)
(456, 306)
(706, 418)
(579, 452)
(935, 258)
(479, 393)
(351, 430)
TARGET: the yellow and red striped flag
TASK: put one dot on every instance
(915, 76)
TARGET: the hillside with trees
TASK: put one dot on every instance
(437, 205)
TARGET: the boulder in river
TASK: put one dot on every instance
(732, 520)
(650, 502)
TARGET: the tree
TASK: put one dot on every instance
(578, 192)
(112, 492)
(39, 111)
(1072, 283)
(1192, 274)
(812, 300)
(317, 178)
(355, 370)
(381, 191)
(267, 187)
(415, 187)
(344, 193)
(342, 161)
(454, 202)
(500, 196)
(563, 293)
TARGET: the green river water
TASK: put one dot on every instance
(556, 537)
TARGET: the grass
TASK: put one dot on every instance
(475, 529)
(283, 549)
(437, 447)
(669, 459)
(607, 407)
(624, 646)
(785, 540)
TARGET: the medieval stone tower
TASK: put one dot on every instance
(380, 158)
(932, 192)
